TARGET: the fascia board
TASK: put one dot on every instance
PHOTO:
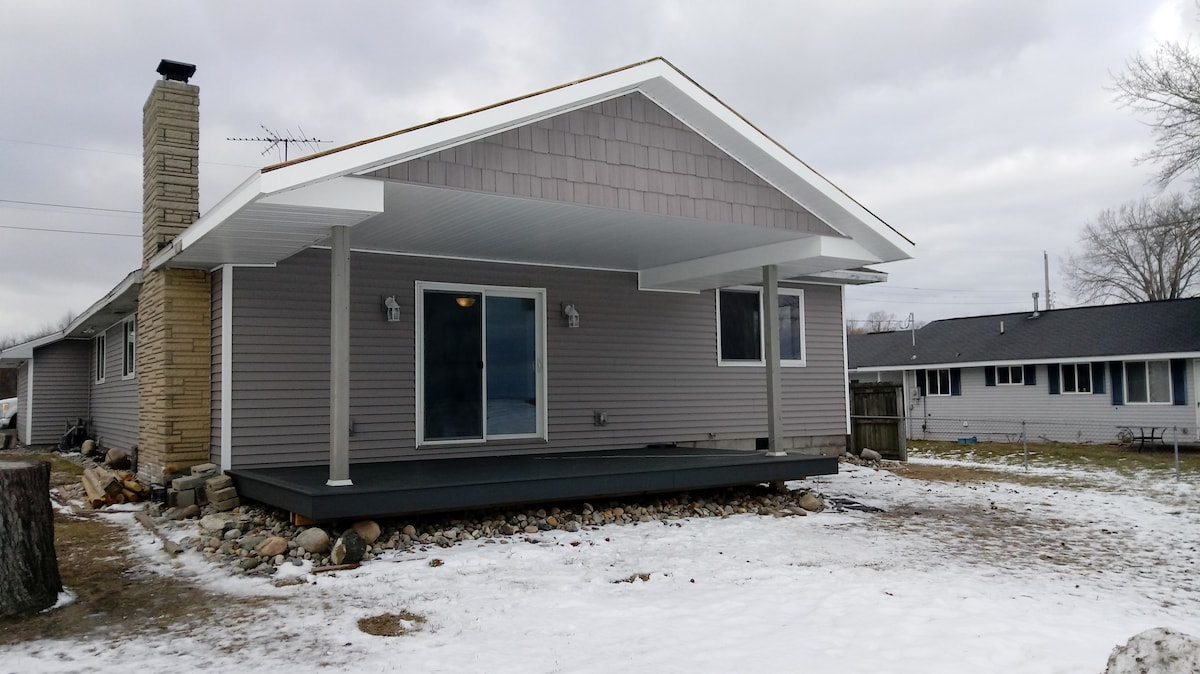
(749, 258)
(239, 198)
(132, 278)
(25, 351)
(1031, 361)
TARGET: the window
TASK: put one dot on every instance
(129, 354)
(1077, 378)
(1148, 382)
(740, 327)
(100, 357)
(1010, 374)
(937, 382)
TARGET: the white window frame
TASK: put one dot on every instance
(129, 348)
(1062, 378)
(762, 348)
(1018, 370)
(934, 374)
(1146, 363)
(99, 351)
(537, 294)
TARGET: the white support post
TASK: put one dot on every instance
(339, 353)
(771, 340)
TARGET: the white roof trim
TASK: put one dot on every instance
(1030, 361)
(25, 351)
(656, 79)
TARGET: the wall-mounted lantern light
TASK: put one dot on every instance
(570, 313)
(392, 308)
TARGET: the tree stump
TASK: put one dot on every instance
(29, 580)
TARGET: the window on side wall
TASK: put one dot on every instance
(99, 357)
(937, 382)
(1076, 377)
(1148, 381)
(1010, 374)
(740, 327)
(129, 353)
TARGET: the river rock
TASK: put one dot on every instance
(870, 455)
(811, 502)
(368, 530)
(275, 545)
(349, 548)
(117, 458)
(313, 539)
(222, 522)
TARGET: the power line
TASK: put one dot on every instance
(112, 151)
(64, 231)
(82, 208)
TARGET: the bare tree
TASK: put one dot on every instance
(876, 321)
(1166, 87)
(1143, 250)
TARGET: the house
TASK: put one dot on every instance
(87, 371)
(560, 295)
(1083, 374)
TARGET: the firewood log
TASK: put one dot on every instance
(95, 495)
(107, 483)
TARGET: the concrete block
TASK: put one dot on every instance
(218, 482)
(181, 498)
(230, 504)
(189, 482)
(206, 469)
(219, 495)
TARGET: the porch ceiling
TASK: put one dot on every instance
(670, 252)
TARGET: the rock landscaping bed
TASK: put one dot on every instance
(258, 540)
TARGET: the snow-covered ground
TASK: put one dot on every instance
(951, 577)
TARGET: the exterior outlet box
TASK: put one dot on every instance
(600, 418)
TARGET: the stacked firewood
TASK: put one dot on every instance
(104, 486)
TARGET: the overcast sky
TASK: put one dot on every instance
(984, 131)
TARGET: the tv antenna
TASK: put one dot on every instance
(276, 140)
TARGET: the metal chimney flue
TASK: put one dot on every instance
(1035, 306)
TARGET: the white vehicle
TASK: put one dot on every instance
(8, 413)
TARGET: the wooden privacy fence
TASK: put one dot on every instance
(877, 419)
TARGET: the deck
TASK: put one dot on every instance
(407, 487)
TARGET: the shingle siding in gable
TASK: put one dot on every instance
(624, 153)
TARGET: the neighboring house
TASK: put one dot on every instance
(1074, 374)
(509, 304)
(85, 371)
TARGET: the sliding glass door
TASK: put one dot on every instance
(480, 373)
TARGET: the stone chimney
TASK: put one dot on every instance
(174, 305)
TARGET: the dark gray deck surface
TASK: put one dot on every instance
(402, 487)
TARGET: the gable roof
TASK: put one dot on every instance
(287, 207)
(115, 306)
(1169, 328)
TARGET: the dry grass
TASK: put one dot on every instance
(392, 624)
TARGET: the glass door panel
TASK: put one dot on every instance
(512, 376)
(453, 365)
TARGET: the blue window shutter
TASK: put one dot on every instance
(1030, 375)
(1178, 381)
(989, 375)
(955, 381)
(921, 382)
(1097, 378)
(1116, 374)
(1052, 376)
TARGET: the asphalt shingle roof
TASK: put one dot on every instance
(1169, 326)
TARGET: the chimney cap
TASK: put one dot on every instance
(176, 70)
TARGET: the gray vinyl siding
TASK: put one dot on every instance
(23, 402)
(1084, 417)
(60, 381)
(215, 392)
(624, 153)
(114, 403)
(647, 358)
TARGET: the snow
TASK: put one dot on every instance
(951, 577)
